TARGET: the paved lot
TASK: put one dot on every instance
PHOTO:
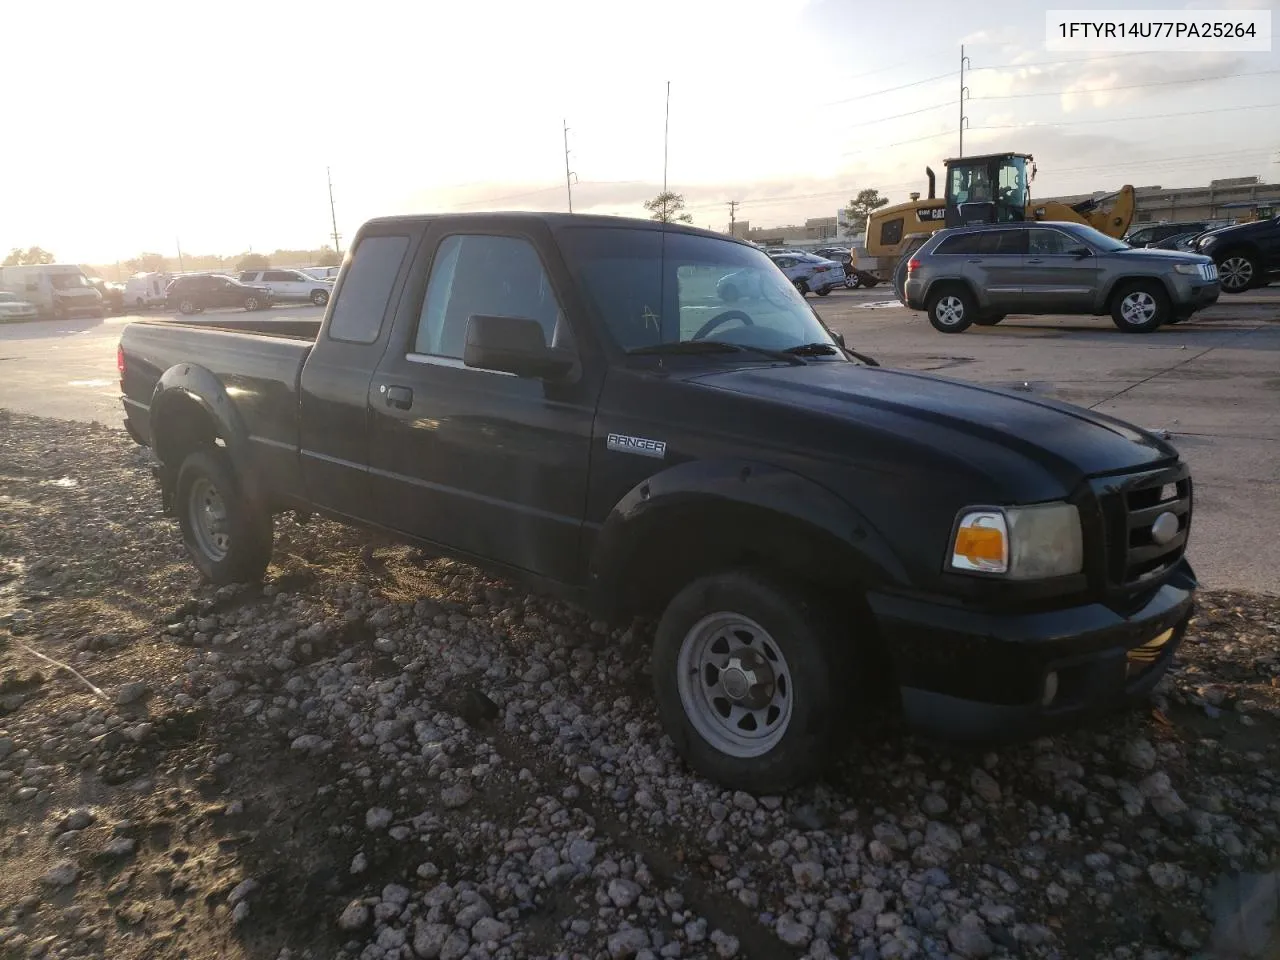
(1214, 384)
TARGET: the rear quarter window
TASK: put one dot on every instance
(964, 243)
(361, 306)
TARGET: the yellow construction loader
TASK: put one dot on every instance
(993, 188)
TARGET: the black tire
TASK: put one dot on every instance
(1140, 306)
(320, 297)
(729, 293)
(815, 657)
(951, 309)
(824, 291)
(990, 320)
(1238, 271)
(186, 306)
(246, 550)
(852, 282)
(802, 287)
(252, 303)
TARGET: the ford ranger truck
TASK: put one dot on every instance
(567, 401)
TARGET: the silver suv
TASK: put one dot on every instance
(980, 273)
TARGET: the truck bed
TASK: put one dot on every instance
(258, 361)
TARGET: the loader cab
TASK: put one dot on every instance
(994, 188)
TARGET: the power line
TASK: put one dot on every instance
(1149, 116)
(905, 86)
(1129, 86)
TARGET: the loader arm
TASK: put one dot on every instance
(1111, 214)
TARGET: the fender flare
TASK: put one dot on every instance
(191, 383)
(742, 483)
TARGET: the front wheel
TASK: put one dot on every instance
(187, 307)
(228, 538)
(952, 310)
(1237, 272)
(252, 303)
(1140, 307)
(747, 680)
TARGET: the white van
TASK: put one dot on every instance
(144, 290)
(322, 273)
(57, 289)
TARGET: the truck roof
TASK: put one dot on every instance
(556, 220)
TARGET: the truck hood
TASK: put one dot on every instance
(1067, 441)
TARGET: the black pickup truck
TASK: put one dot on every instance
(567, 400)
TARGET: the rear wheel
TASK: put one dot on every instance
(951, 309)
(1237, 272)
(320, 297)
(227, 538)
(823, 291)
(1140, 307)
(747, 676)
(802, 287)
(186, 306)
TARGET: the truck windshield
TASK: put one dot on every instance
(652, 287)
(67, 281)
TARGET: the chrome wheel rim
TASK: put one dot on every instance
(1235, 273)
(208, 515)
(251, 304)
(735, 685)
(186, 306)
(950, 310)
(1138, 308)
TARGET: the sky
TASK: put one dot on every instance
(135, 126)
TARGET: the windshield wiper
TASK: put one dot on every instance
(829, 349)
(696, 347)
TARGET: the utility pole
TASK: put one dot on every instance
(568, 174)
(733, 208)
(964, 92)
(666, 127)
(337, 247)
(178, 244)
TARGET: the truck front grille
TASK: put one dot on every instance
(1148, 520)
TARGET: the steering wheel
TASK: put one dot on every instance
(720, 319)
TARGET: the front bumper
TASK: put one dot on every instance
(1191, 294)
(965, 674)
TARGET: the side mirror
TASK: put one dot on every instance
(1080, 252)
(513, 345)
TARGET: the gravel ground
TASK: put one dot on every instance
(380, 754)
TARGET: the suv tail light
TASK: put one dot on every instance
(913, 264)
(120, 364)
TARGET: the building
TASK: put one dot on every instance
(812, 231)
(1232, 198)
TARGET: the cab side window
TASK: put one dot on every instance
(1048, 243)
(486, 276)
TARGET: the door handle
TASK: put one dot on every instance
(975, 259)
(399, 397)
(1035, 260)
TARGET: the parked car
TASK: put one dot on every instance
(597, 425)
(195, 293)
(844, 257)
(1149, 234)
(322, 273)
(112, 294)
(810, 273)
(144, 290)
(1247, 254)
(289, 285)
(57, 289)
(1179, 241)
(13, 307)
(980, 273)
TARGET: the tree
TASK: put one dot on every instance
(147, 263)
(861, 207)
(328, 258)
(252, 261)
(18, 257)
(666, 208)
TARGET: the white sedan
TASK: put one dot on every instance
(13, 307)
(805, 272)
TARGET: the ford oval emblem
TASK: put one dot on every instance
(1165, 528)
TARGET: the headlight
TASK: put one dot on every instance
(1206, 241)
(1020, 543)
(1192, 269)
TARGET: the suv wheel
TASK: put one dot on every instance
(228, 539)
(951, 310)
(1237, 272)
(186, 306)
(320, 297)
(1140, 307)
(746, 680)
